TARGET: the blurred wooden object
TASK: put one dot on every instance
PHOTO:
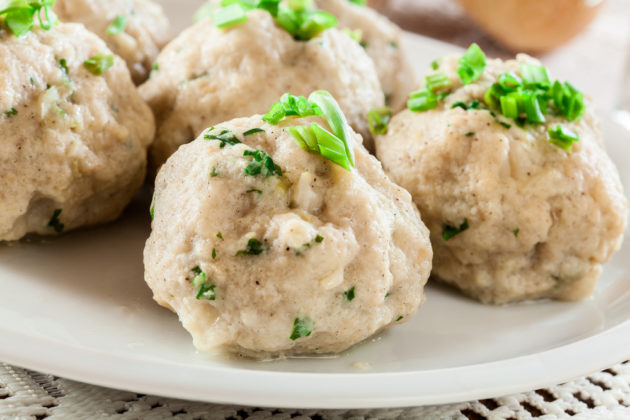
(532, 25)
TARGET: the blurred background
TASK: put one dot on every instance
(585, 41)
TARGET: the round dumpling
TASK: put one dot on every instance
(301, 257)
(512, 216)
(136, 30)
(383, 42)
(74, 141)
(208, 75)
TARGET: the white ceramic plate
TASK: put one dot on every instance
(78, 307)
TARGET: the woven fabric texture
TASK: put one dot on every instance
(28, 395)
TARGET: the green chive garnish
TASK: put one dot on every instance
(117, 26)
(302, 327)
(378, 119)
(98, 64)
(562, 137)
(449, 231)
(422, 100)
(471, 64)
(54, 221)
(228, 16)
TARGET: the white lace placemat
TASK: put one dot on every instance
(25, 394)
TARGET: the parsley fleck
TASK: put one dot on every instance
(63, 64)
(152, 211)
(261, 164)
(54, 221)
(399, 318)
(449, 232)
(349, 294)
(302, 327)
(515, 232)
(99, 64)
(505, 125)
(225, 137)
(11, 112)
(435, 64)
(214, 172)
(220, 235)
(378, 120)
(206, 289)
(470, 133)
(254, 190)
(117, 26)
(214, 253)
(254, 247)
(319, 239)
(253, 131)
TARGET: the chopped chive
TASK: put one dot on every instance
(152, 211)
(261, 164)
(117, 26)
(435, 64)
(99, 64)
(228, 16)
(378, 119)
(55, 223)
(254, 247)
(253, 131)
(302, 327)
(471, 64)
(435, 82)
(421, 101)
(535, 76)
(449, 231)
(349, 294)
(562, 137)
(225, 137)
(11, 112)
(509, 81)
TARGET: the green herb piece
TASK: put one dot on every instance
(568, 100)
(54, 222)
(254, 247)
(117, 26)
(422, 100)
(11, 112)
(302, 327)
(349, 294)
(220, 235)
(510, 105)
(471, 64)
(152, 211)
(504, 124)
(470, 134)
(509, 81)
(319, 239)
(261, 164)
(435, 82)
(63, 65)
(214, 172)
(399, 318)
(378, 119)
(449, 232)
(535, 76)
(225, 137)
(206, 289)
(228, 16)
(99, 64)
(253, 131)
(515, 232)
(253, 190)
(214, 253)
(314, 23)
(435, 64)
(336, 120)
(19, 15)
(358, 2)
(356, 34)
(290, 106)
(562, 137)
